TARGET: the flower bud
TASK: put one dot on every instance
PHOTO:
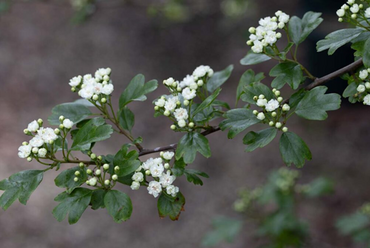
(97, 172)
(116, 168)
(77, 173)
(277, 93)
(179, 89)
(40, 122)
(88, 182)
(114, 177)
(42, 152)
(255, 112)
(100, 158)
(156, 108)
(167, 113)
(353, 16)
(284, 129)
(51, 142)
(340, 19)
(278, 125)
(178, 103)
(106, 78)
(255, 98)
(29, 159)
(261, 96)
(252, 30)
(61, 126)
(161, 154)
(173, 127)
(61, 118)
(93, 156)
(93, 181)
(273, 114)
(75, 179)
(200, 83)
(367, 85)
(166, 166)
(35, 150)
(81, 165)
(106, 166)
(88, 171)
(286, 107)
(174, 84)
(278, 35)
(25, 131)
(24, 143)
(147, 172)
(106, 182)
(191, 124)
(95, 97)
(186, 102)
(280, 99)
(104, 100)
(271, 123)
(73, 89)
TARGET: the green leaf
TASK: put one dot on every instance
(66, 179)
(247, 78)
(310, 21)
(256, 89)
(352, 223)
(254, 58)
(93, 131)
(179, 167)
(237, 120)
(219, 78)
(287, 72)
(338, 38)
(320, 186)
(192, 176)
(126, 118)
(315, 103)
(75, 111)
(170, 207)
(295, 29)
(224, 229)
(136, 90)
(19, 186)
(97, 199)
(190, 144)
(293, 149)
(127, 162)
(119, 205)
(73, 204)
(207, 102)
(259, 139)
(351, 90)
(296, 98)
(366, 55)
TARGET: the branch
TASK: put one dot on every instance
(173, 147)
(318, 81)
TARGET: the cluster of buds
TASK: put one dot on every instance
(96, 88)
(351, 11)
(286, 179)
(246, 199)
(160, 170)
(363, 89)
(38, 147)
(177, 106)
(265, 34)
(272, 110)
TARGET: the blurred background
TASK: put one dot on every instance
(45, 43)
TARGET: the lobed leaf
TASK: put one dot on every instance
(190, 144)
(294, 150)
(219, 78)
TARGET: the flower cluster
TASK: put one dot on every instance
(37, 147)
(265, 34)
(163, 180)
(272, 110)
(95, 88)
(353, 11)
(99, 174)
(177, 106)
(363, 89)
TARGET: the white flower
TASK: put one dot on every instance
(264, 21)
(135, 185)
(367, 13)
(187, 81)
(42, 152)
(181, 123)
(103, 72)
(355, 8)
(172, 190)
(98, 87)
(147, 164)
(36, 141)
(169, 81)
(363, 74)
(87, 77)
(261, 102)
(75, 81)
(367, 85)
(166, 179)
(93, 181)
(67, 123)
(154, 188)
(33, 126)
(341, 12)
(350, 2)
(156, 170)
(361, 88)
(284, 18)
(257, 47)
(367, 99)
(171, 104)
(281, 25)
(188, 93)
(107, 89)
(272, 105)
(47, 134)
(87, 92)
(202, 70)
(270, 37)
(261, 116)
(168, 155)
(24, 151)
(253, 37)
(181, 114)
(138, 177)
(160, 102)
